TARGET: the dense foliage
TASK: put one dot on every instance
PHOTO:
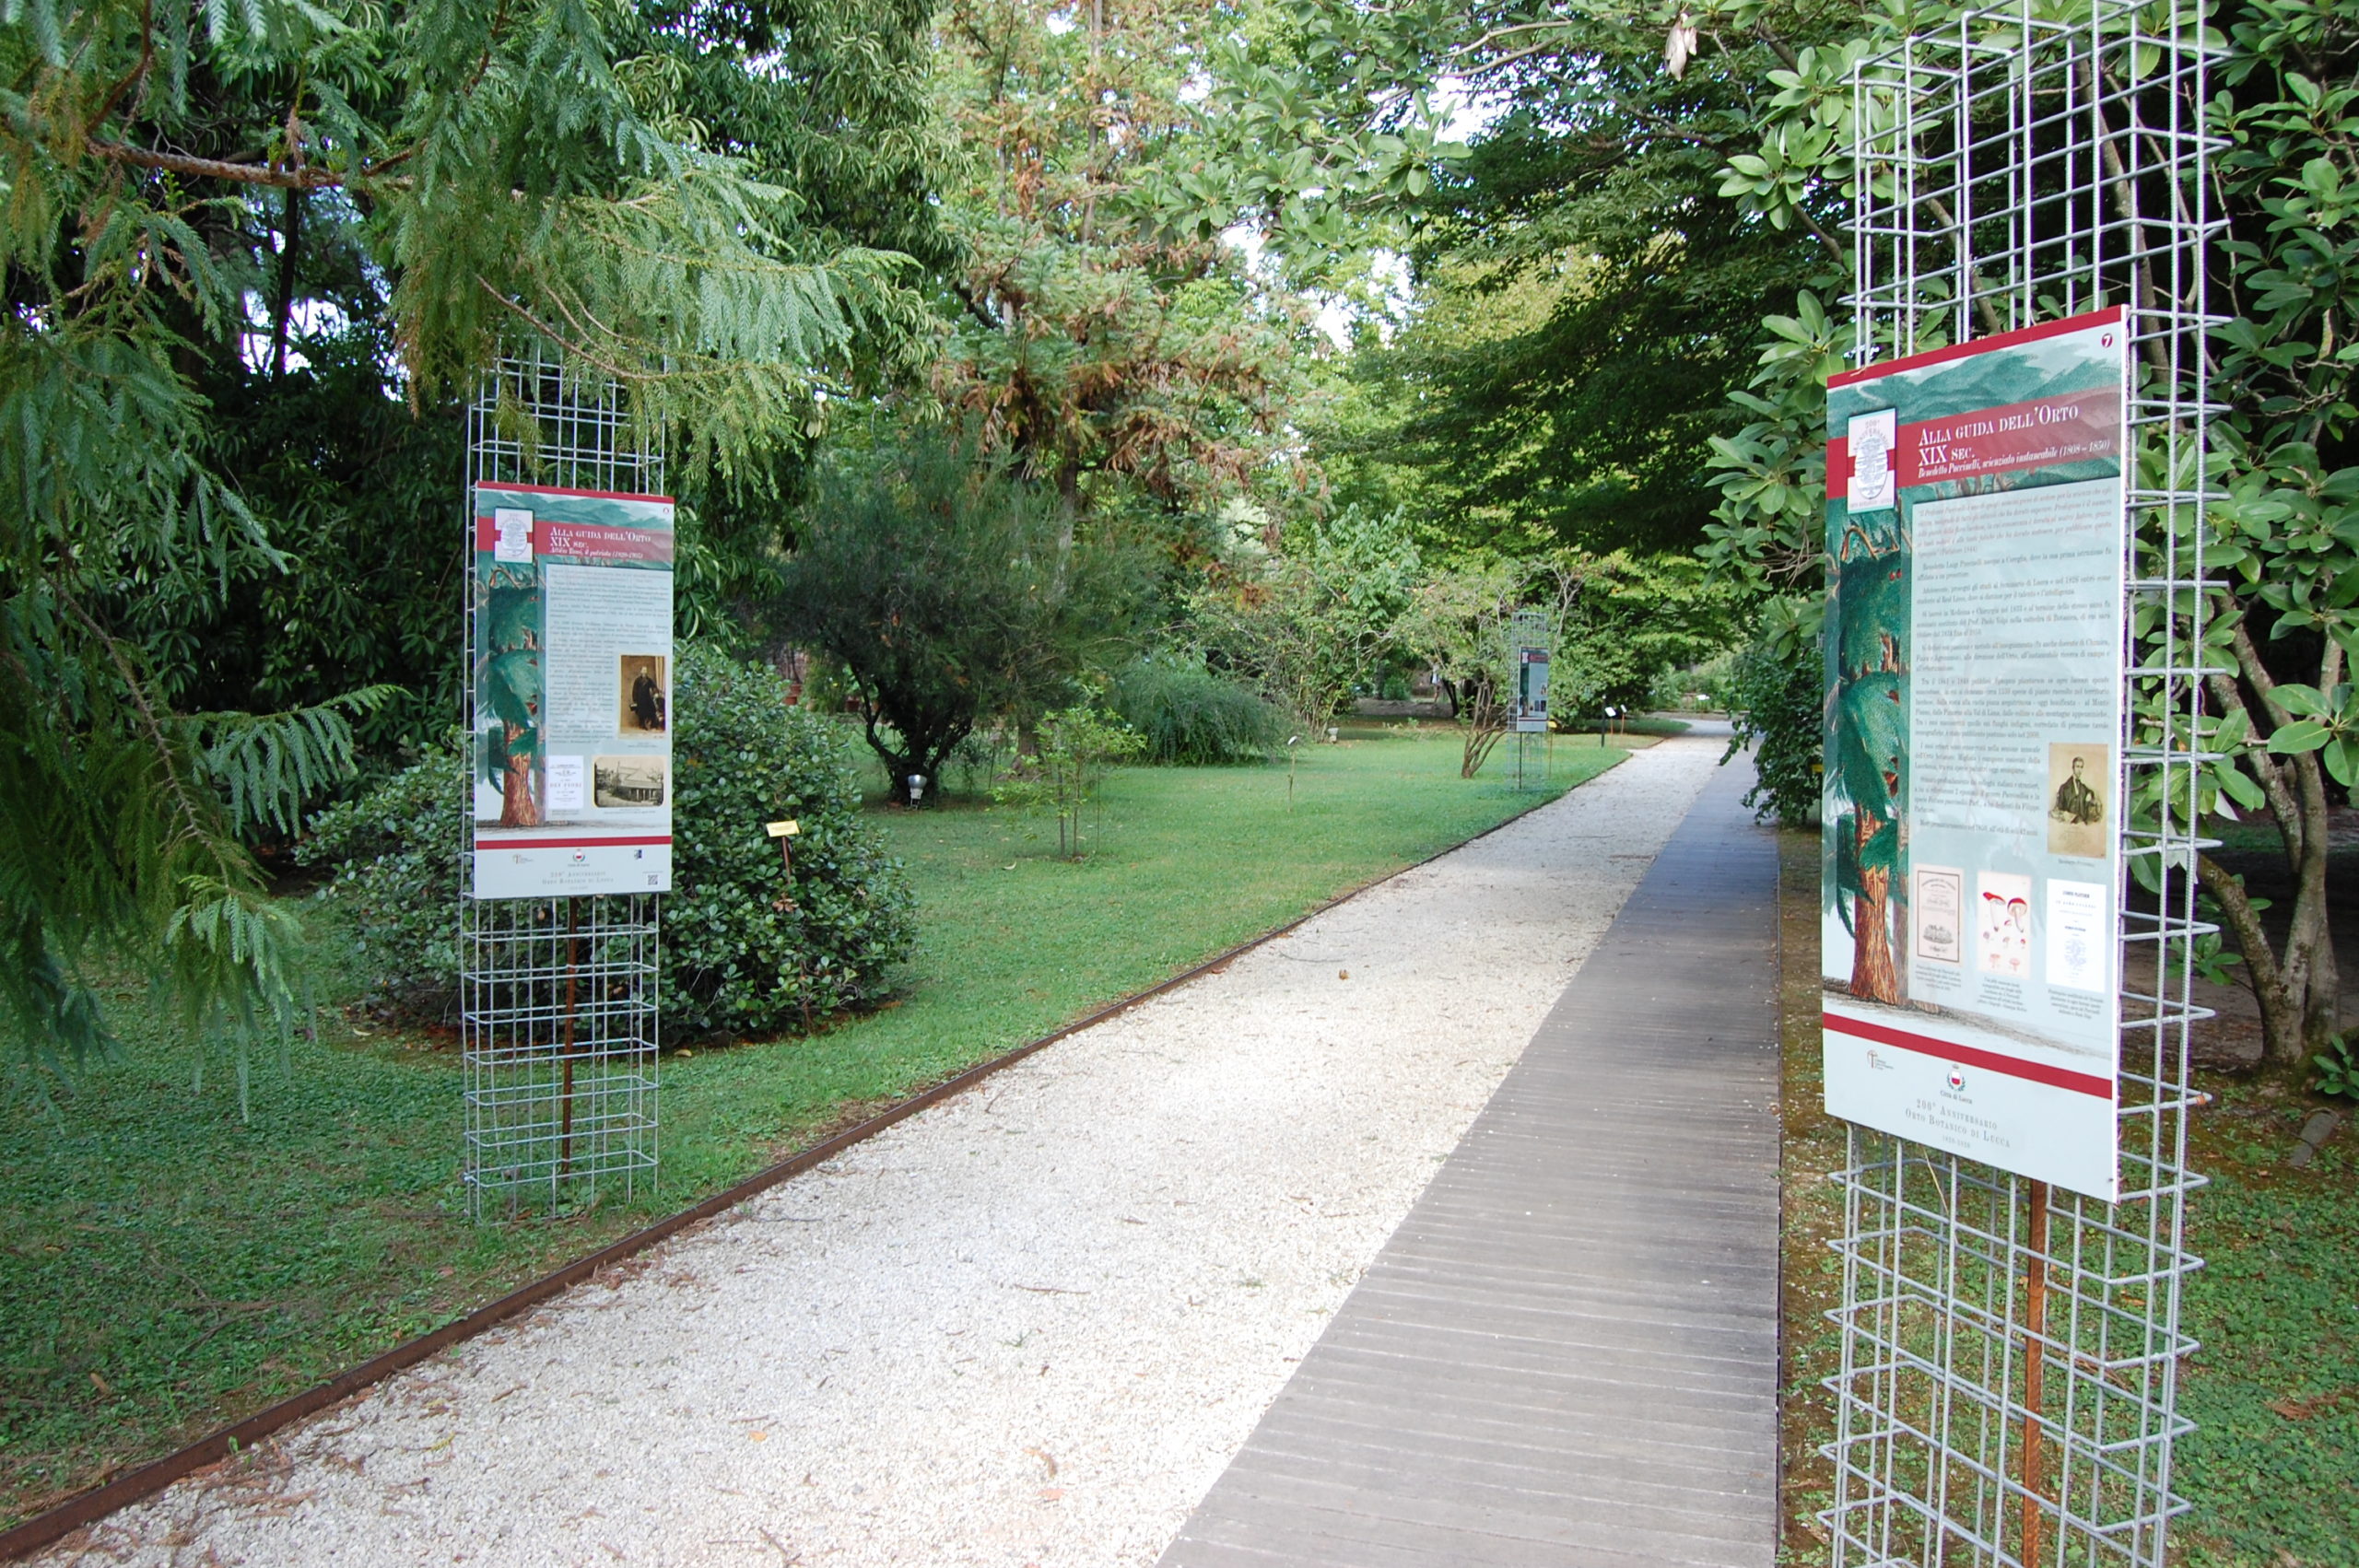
(1585, 299)
(1184, 713)
(1105, 355)
(244, 248)
(1776, 705)
(748, 949)
(1314, 619)
(950, 594)
(2284, 627)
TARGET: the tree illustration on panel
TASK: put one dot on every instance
(509, 689)
(1867, 741)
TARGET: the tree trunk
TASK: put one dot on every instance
(2280, 1013)
(2297, 986)
(1488, 723)
(291, 227)
(1480, 742)
(1873, 978)
(517, 806)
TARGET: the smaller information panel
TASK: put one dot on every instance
(572, 667)
(1974, 670)
(1528, 702)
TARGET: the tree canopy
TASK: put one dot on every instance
(229, 233)
(1485, 293)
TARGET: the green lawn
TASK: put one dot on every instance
(2273, 1466)
(168, 1266)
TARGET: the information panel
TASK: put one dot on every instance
(1528, 701)
(573, 692)
(1974, 678)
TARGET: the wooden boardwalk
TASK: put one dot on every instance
(1567, 1353)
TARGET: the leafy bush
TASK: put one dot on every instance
(1774, 696)
(1187, 714)
(396, 852)
(743, 948)
(1677, 689)
(2338, 1067)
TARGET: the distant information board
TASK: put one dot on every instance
(1974, 670)
(573, 668)
(1528, 670)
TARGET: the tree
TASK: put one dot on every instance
(1097, 351)
(1629, 619)
(490, 169)
(1613, 625)
(2282, 629)
(1079, 745)
(1867, 780)
(347, 463)
(1316, 618)
(949, 594)
(1458, 624)
(511, 689)
(1601, 295)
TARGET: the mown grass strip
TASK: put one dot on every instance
(173, 1268)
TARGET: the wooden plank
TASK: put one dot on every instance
(1567, 1352)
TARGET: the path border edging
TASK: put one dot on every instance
(89, 1507)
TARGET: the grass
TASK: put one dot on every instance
(168, 1267)
(2272, 1468)
(2273, 1464)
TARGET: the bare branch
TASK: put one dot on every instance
(279, 178)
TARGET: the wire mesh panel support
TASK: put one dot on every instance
(2010, 1354)
(557, 994)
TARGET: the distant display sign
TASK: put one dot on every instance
(1530, 714)
(1974, 678)
(1528, 670)
(573, 668)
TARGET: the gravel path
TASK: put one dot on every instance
(1029, 1325)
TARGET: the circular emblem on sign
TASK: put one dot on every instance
(1957, 1078)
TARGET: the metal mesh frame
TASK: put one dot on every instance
(558, 995)
(2008, 1357)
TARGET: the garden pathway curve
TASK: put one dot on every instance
(1028, 1326)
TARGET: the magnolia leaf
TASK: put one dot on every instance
(2301, 735)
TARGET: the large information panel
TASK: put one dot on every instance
(1974, 671)
(573, 692)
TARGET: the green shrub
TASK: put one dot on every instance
(1187, 714)
(1774, 697)
(395, 850)
(742, 949)
(1676, 690)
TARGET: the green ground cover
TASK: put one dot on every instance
(168, 1266)
(2272, 1468)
